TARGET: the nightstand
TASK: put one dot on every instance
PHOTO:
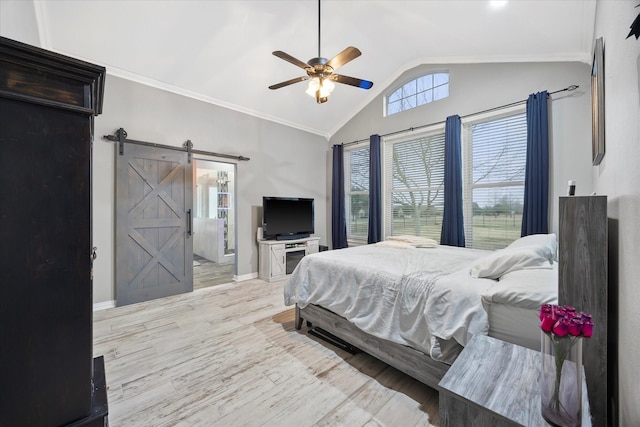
(494, 383)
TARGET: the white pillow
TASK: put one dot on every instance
(394, 244)
(512, 259)
(426, 244)
(548, 240)
(416, 241)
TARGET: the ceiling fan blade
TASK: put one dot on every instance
(280, 54)
(289, 82)
(349, 54)
(351, 81)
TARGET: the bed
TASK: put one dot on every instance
(414, 304)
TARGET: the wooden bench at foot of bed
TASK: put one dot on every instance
(406, 359)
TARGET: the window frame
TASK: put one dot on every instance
(387, 175)
(352, 239)
(467, 172)
(433, 130)
(414, 79)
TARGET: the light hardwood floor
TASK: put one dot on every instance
(229, 356)
(208, 273)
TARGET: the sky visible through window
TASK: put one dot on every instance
(499, 156)
(420, 91)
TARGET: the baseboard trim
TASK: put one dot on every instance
(244, 277)
(111, 304)
(104, 305)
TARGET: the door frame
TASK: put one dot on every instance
(234, 199)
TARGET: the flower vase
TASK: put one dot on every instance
(561, 380)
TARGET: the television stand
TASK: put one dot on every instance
(278, 258)
(293, 237)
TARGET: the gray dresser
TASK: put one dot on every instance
(583, 283)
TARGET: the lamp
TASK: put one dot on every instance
(320, 88)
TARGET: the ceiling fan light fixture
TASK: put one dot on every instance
(326, 87)
(320, 87)
(314, 83)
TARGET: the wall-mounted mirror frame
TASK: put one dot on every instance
(597, 102)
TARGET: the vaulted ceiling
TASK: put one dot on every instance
(221, 51)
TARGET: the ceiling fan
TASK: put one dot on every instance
(320, 71)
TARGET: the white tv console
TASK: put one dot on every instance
(278, 258)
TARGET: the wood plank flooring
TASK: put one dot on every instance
(229, 355)
(208, 273)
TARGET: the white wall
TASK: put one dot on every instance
(284, 162)
(478, 87)
(18, 21)
(618, 176)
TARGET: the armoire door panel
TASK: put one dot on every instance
(45, 285)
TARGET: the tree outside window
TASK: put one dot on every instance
(417, 186)
(357, 193)
(494, 162)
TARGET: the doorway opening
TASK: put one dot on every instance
(214, 249)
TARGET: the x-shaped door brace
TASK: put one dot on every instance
(133, 224)
(157, 257)
(156, 191)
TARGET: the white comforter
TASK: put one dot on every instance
(423, 298)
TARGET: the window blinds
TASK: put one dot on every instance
(494, 159)
(414, 192)
(357, 193)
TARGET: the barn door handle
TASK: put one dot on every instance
(189, 222)
(93, 257)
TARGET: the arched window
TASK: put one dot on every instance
(420, 91)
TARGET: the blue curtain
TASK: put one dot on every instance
(375, 191)
(452, 233)
(536, 184)
(338, 220)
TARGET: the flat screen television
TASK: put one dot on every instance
(287, 218)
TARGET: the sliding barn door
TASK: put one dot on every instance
(154, 245)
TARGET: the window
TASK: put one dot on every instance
(356, 164)
(414, 179)
(494, 159)
(420, 91)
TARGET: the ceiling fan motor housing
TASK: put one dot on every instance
(317, 61)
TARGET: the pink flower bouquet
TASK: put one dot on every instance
(563, 320)
(562, 330)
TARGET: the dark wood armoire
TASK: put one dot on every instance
(48, 374)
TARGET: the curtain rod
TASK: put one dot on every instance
(568, 88)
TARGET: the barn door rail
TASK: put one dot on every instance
(120, 136)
